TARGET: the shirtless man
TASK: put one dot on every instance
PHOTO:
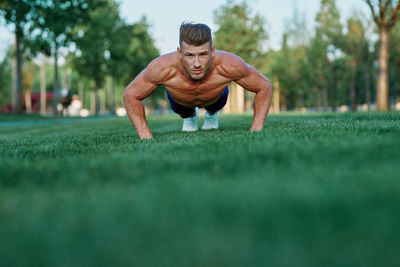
(195, 76)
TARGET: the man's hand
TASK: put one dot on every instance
(256, 128)
(146, 136)
(136, 113)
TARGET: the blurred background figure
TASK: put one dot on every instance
(75, 107)
(65, 101)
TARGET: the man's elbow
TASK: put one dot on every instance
(129, 95)
(266, 89)
(126, 94)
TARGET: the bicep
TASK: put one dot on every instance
(142, 86)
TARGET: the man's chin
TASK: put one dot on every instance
(198, 77)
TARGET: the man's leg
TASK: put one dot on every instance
(211, 116)
(189, 115)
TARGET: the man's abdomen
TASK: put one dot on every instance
(196, 97)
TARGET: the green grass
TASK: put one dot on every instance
(315, 190)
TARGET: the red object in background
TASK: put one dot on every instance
(6, 109)
(35, 98)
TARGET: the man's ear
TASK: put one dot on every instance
(179, 52)
(213, 50)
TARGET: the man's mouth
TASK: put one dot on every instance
(197, 71)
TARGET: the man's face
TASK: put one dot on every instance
(196, 60)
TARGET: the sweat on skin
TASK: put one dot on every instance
(196, 76)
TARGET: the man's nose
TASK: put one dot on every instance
(197, 63)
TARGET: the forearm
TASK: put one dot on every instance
(136, 113)
(262, 102)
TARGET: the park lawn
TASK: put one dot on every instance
(309, 190)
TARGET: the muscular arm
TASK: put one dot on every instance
(252, 80)
(255, 82)
(140, 88)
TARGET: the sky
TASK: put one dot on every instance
(165, 17)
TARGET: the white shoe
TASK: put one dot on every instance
(210, 121)
(190, 124)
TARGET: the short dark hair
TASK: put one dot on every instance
(194, 34)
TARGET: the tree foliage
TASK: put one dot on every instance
(94, 42)
(109, 46)
(54, 25)
(18, 13)
(5, 79)
(240, 32)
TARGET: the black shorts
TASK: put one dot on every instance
(187, 112)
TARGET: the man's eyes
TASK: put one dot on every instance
(201, 55)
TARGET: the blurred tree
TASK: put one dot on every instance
(5, 79)
(118, 63)
(394, 63)
(18, 13)
(368, 58)
(131, 50)
(293, 61)
(93, 44)
(329, 39)
(27, 81)
(283, 69)
(142, 51)
(54, 22)
(240, 32)
(384, 13)
(317, 60)
(356, 48)
(298, 34)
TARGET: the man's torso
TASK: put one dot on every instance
(195, 93)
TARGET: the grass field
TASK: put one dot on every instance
(314, 190)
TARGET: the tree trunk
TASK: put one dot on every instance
(334, 85)
(28, 100)
(353, 95)
(16, 96)
(112, 95)
(334, 94)
(235, 103)
(383, 88)
(325, 97)
(93, 107)
(276, 96)
(56, 90)
(97, 88)
(367, 78)
(43, 97)
(102, 101)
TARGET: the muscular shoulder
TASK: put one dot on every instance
(231, 66)
(161, 68)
